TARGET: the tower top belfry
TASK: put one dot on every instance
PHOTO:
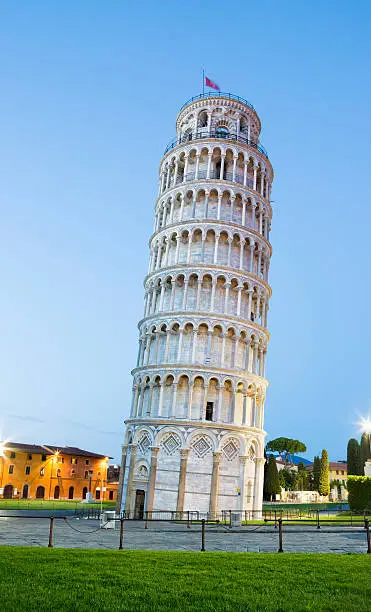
(195, 438)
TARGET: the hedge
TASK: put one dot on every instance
(359, 490)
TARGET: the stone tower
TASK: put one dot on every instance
(194, 438)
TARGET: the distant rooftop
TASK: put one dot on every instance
(294, 460)
(48, 449)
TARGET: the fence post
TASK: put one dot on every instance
(203, 535)
(230, 519)
(146, 523)
(280, 549)
(275, 519)
(318, 525)
(50, 545)
(188, 525)
(121, 533)
(367, 527)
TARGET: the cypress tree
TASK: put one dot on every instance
(272, 482)
(364, 451)
(316, 472)
(324, 484)
(353, 458)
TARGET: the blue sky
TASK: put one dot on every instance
(90, 93)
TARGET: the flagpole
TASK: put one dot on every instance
(203, 82)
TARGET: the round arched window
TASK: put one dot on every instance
(222, 132)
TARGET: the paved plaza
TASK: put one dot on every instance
(86, 533)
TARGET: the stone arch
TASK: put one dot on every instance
(141, 471)
(169, 441)
(230, 447)
(202, 118)
(209, 246)
(216, 160)
(144, 440)
(201, 446)
(169, 386)
(197, 396)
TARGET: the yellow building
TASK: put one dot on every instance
(338, 471)
(29, 471)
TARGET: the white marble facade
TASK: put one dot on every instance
(194, 439)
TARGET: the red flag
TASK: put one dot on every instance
(209, 83)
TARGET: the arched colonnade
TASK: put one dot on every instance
(198, 398)
(214, 204)
(219, 162)
(210, 246)
(207, 292)
(202, 344)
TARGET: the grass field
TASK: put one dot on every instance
(40, 504)
(303, 507)
(77, 580)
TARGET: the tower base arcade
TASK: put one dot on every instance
(179, 467)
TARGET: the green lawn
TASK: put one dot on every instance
(86, 580)
(40, 504)
(302, 507)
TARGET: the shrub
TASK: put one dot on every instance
(359, 489)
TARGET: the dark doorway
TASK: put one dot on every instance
(70, 493)
(217, 170)
(25, 492)
(57, 492)
(139, 504)
(8, 492)
(40, 492)
(84, 492)
(209, 411)
(110, 497)
(97, 493)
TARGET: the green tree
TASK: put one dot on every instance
(271, 483)
(281, 478)
(301, 482)
(289, 477)
(353, 458)
(365, 452)
(316, 470)
(324, 483)
(286, 447)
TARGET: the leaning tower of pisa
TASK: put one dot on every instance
(195, 439)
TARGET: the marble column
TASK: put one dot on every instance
(258, 488)
(121, 478)
(244, 410)
(152, 478)
(243, 467)
(129, 488)
(184, 452)
(214, 487)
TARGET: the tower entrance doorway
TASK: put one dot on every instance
(139, 504)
